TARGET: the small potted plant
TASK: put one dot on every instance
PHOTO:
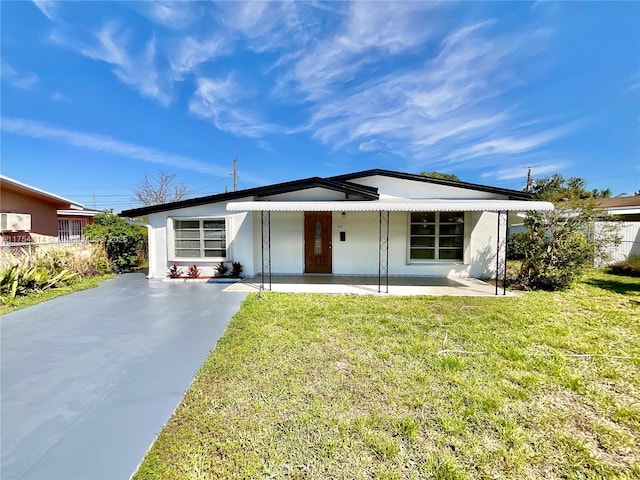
(175, 271)
(227, 274)
(194, 271)
(236, 269)
(221, 269)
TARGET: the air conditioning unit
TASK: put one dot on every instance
(15, 222)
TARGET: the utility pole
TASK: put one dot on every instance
(235, 173)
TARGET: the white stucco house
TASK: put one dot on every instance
(374, 222)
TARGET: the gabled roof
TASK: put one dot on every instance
(340, 183)
(349, 190)
(511, 194)
(37, 192)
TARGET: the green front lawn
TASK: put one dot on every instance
(318, 386)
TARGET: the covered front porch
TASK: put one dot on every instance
(378, 254)
(370, 285)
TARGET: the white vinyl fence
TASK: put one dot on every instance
(629, 244)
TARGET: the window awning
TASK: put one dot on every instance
(426, 205)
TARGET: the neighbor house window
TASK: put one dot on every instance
(436, 236)
(200, 238)
(71, 229)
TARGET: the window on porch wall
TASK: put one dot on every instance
(436, 236)
(200, 238)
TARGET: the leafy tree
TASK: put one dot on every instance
(160, 189)
(123, 241)
(558, 189)
(444, 176)
(559, 245)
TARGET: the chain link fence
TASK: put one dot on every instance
(26, 253)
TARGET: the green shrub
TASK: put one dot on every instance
(516, 245)
(122, 241)
(629, 267)
(87, 260)
(554, 260)
(17, 281)
(559, 245)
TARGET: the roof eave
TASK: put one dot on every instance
(511, 194)
(38, 191)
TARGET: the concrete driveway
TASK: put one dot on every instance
(89, 379)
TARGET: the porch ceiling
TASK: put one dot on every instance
(402, 205)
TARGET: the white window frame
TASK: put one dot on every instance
(171, 244)
(437, 260)
(71, 229)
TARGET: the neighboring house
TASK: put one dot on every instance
(31, 214)
(625, 210)
(375, 222)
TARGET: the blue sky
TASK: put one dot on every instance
(97, 94)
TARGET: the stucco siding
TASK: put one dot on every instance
(310, 194)
(390, 187)
(356, 255)
(44, 215)
(239, 239)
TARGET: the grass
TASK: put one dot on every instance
(35, 298)
(317, 386)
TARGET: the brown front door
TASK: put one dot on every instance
(317, 242)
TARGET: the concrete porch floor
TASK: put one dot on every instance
(368, 285)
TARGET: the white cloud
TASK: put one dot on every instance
(191, 52)
(47, 7)
(370, 32)
(510, 145)
(173, 14)
(219, 101)
(269, 25)
(137, 70)
(24, 81)
(103, 143)
(410, 111)
(450, 101)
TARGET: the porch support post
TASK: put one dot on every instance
(498, 252)
(383, 251)
(506, 252)
(265, 228)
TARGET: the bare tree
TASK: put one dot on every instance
(159, 189)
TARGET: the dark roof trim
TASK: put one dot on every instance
(349, 189)
(511, 194)
(339, 183)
